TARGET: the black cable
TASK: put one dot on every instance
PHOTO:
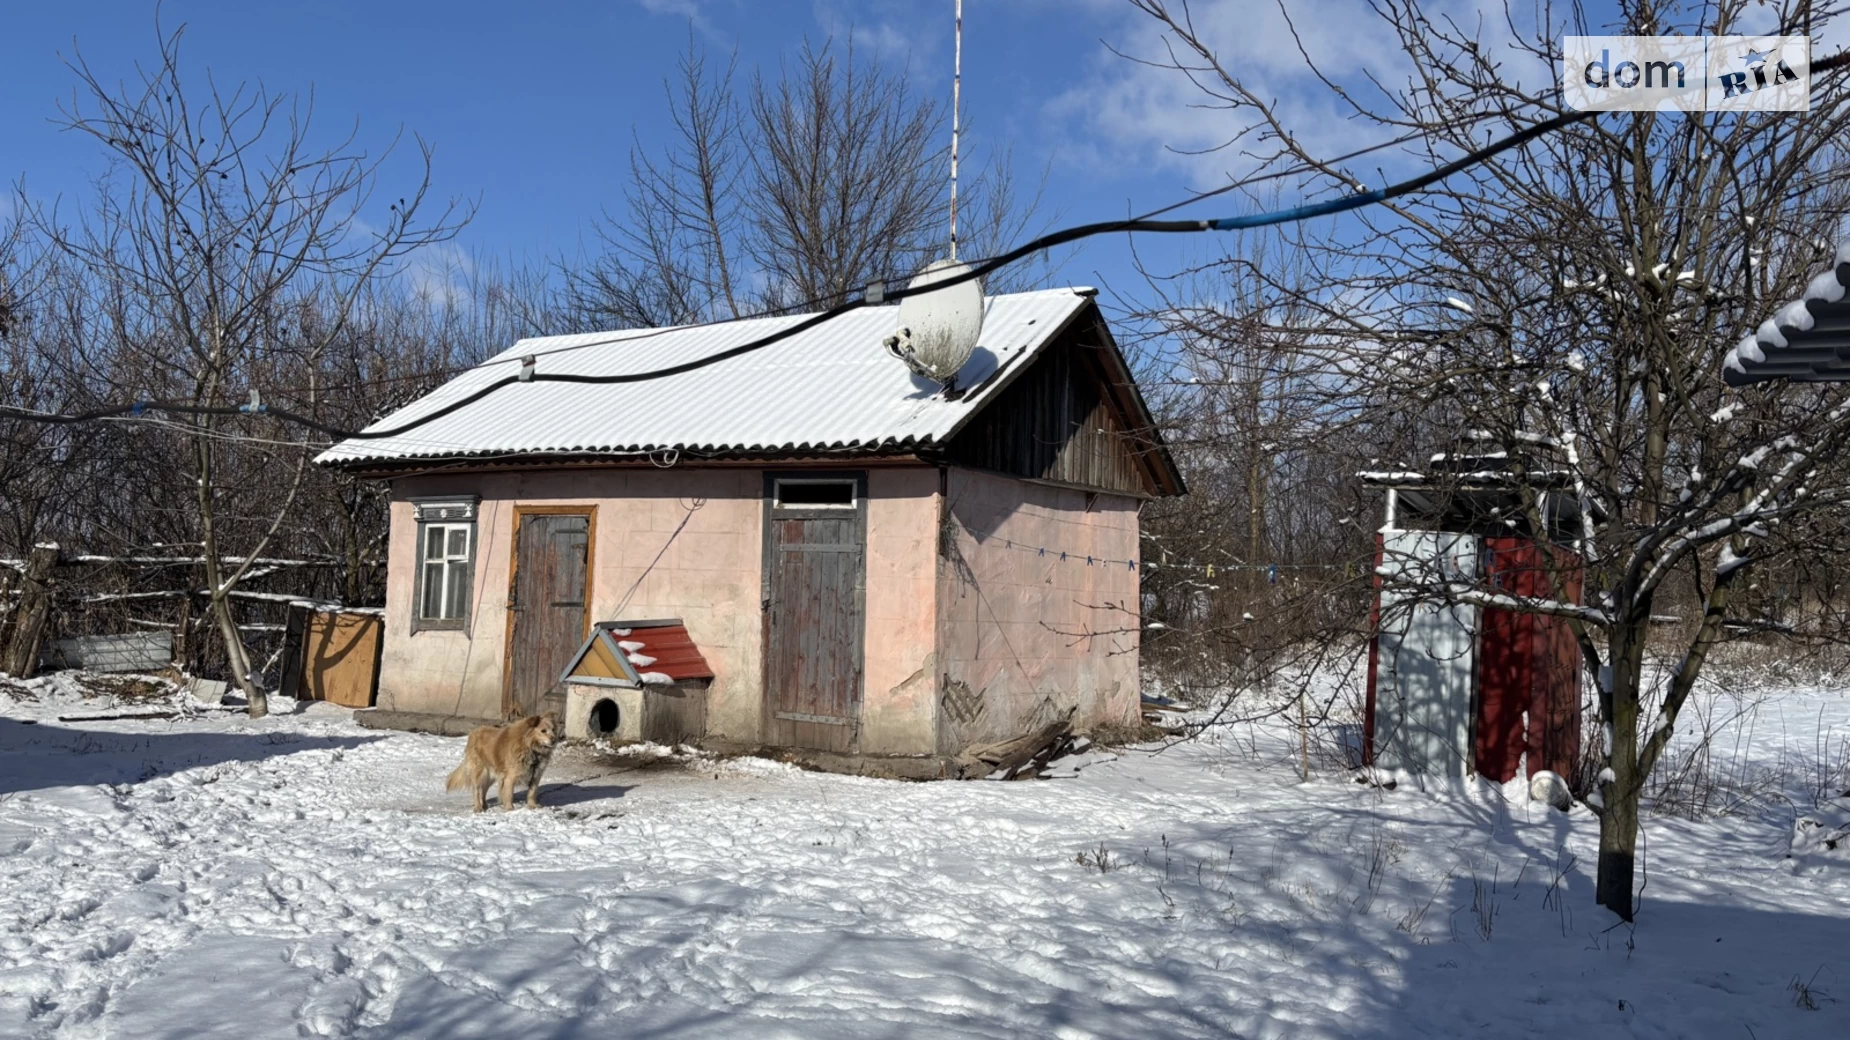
(992, 264)
(1048, 241)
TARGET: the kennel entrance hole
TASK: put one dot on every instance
(605, 717)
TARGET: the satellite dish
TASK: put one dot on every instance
(938, 330)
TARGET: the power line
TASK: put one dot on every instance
(995, 263)
(876, 293)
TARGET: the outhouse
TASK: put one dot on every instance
(1458, 686)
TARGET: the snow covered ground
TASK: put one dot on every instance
(213, 876)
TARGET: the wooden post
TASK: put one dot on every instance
(32, 614)
(295, 635)
(183, 636)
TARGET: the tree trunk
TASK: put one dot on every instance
(32, 614)
(183, 645)
(236, 659)
(1255, 512)
(1618, 845)
(350, 588)
(1622, 787)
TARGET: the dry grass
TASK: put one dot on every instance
(1143, 732)
(128, 689)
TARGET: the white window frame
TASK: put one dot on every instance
(448, 516)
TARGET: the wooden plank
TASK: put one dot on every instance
(340, 658)
(674, 714)
(1058, 423)
(549, 605)
(294, 659)
(815, 562)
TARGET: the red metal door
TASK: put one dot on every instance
(1505, 662)
(548, 605)
(1528, 666)
(1554, 700)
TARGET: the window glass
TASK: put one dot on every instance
(815, 494)
(433, 591)
(458, 590)
(445, 572)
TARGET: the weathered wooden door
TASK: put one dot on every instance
(547, 602)
(815, 567)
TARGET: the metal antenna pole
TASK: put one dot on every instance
(957, 77)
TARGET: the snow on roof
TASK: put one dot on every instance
(663, 646)
(1807, 340)
(629, 653)
(831, 387)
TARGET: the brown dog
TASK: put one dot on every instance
(517, 751)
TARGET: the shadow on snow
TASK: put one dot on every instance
(35, 756)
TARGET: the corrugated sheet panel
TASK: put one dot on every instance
(831, 387)
(1807, 340)
(669, 643)
(130, 652)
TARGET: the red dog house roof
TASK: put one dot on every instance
(667, 641)
(635, 653)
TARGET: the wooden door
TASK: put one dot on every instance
(815, 567)
(547, 605)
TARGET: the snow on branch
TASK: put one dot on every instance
(1765, 505)
(265, 597)
(1472, 595)
(91, 559)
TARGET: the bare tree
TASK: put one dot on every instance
(220, 215)
(796, 190)
(846, 186)
(675, 256)
(1582, 292)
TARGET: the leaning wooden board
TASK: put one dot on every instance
(340, 658)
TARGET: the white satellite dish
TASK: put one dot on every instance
(938, 330)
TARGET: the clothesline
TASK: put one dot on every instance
(1271, 570)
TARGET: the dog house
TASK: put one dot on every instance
(637, 681)
(1455, 688)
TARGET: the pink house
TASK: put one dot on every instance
(879, 571)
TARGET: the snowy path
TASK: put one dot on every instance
(301, 876)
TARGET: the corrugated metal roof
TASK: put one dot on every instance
(829, 388)
(660, 646)
(642, 652)
(1807, 340)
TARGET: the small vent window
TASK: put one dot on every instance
(815, 494)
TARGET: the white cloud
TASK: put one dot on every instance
(1137, 115)
(443, 273)
(892, 32)
(689, 10)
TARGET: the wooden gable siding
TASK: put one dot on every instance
(1057, 423)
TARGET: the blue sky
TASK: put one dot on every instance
(531, 108)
